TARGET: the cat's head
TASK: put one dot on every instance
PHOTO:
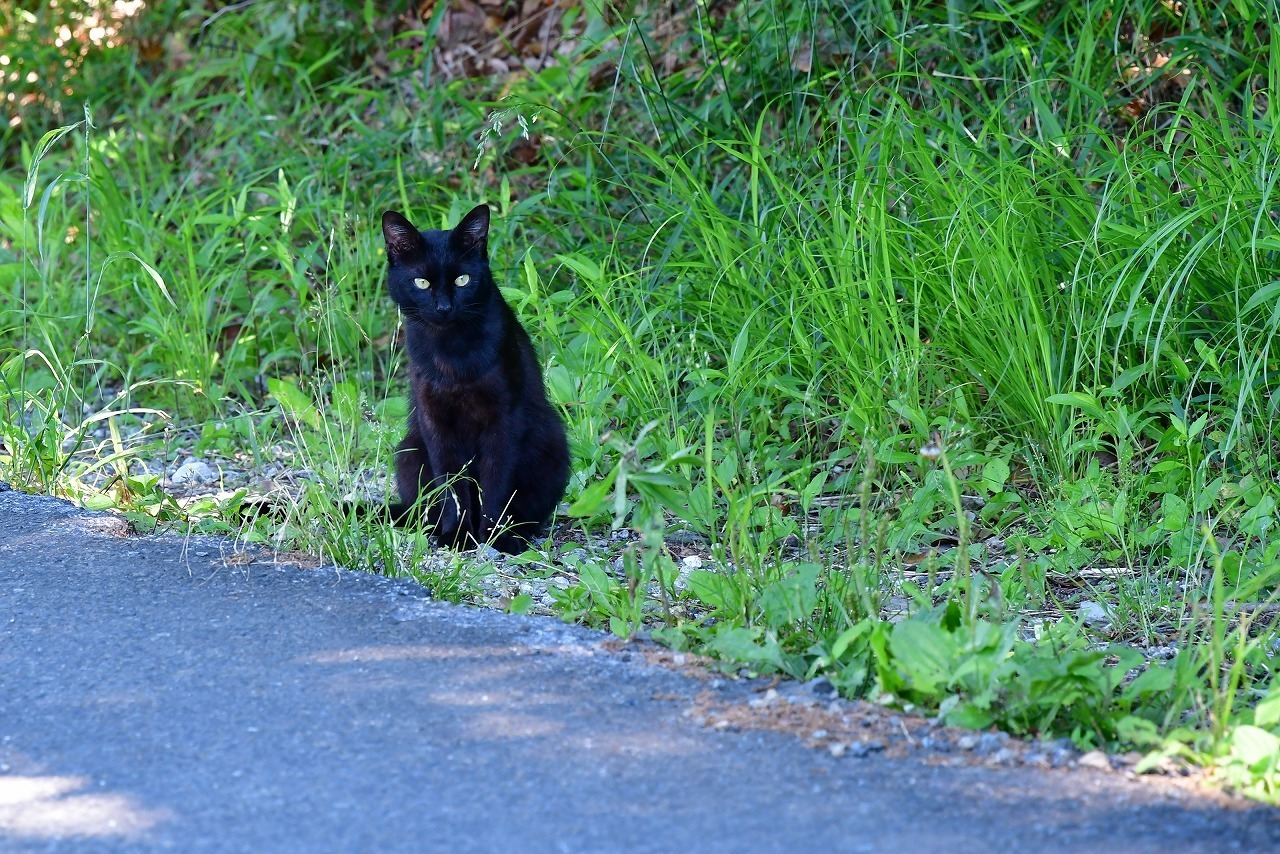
(439, 277)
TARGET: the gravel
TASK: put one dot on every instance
(1095, 759)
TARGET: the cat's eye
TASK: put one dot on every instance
(462, 280)
(422, 284)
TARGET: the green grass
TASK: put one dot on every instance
(899, 307)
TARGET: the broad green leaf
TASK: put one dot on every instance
(591, 500)
(969, 716)
(294, 401)
(1138, 731)
(716, 589)
(595, 580)
(1153, 680)
(1255, 747)
(1267, 712)
(847, 637)
(740, 644)
(520, 604)
(813, 489)
(995, 474)
(98, 501)
(791, 599)
(925, 654)
(1174, 513)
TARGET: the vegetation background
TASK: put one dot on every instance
(924, 346)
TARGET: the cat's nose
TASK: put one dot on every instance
(445, 308)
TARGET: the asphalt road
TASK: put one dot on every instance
(155, 695)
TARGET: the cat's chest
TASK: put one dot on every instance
(461, 409)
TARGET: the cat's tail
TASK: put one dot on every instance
(398, 513)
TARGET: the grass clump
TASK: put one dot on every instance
(924, 347)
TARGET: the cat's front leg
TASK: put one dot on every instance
(413, 468)
(444, 515)
(494, 472)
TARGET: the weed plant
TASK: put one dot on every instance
(943, 331)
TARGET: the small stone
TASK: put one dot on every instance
(193, 471)
(862, 748)
(691, 562)
(1093, 615)
(818, 733)
(837, 750)
(990, 742)
(487, 552)
(967, 742)
(1095, 759)
(1061, 758)
(685, 538)
(1130, 759)
(1004, 756)
(1035, 758)
(940, 745)
(822, 687)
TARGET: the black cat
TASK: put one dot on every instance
(484, 445)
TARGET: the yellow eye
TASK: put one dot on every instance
(462, 280)
(423, 284)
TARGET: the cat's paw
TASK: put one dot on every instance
(512, 544)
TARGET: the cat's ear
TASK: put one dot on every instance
(403, 240)
(473, 231)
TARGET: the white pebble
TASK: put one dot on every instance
(1095, 759)
(1093, 614)
(194, 471)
